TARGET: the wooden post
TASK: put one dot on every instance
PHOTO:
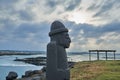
(114, 55)
(106, 55)
(89, 56)
(97, 55)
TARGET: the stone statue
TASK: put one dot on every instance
(57, 65)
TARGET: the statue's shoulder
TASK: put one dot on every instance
(52, 43)
(52, 47)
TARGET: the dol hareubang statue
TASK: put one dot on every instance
(57, 65)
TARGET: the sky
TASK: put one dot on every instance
(92, 24)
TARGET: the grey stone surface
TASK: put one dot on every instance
(36, 78)
(57, 65)
(11, 76)
(29, 73)
(34, 75)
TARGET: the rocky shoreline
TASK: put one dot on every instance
(36, 74)
(14, 52)
(39, 61)
(29, 75)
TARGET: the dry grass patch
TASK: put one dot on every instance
(86, 70)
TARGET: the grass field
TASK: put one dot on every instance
(96, 70)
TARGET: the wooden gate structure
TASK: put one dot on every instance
(98, 51)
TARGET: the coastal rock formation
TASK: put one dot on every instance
(12, 75)
(34, 60)
(28, 73)
(34, 75)
(31, 73)
(57, 65)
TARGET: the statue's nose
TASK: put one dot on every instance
(69, 40)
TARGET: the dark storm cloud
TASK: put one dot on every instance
(93, 7)
(6, 3)
(88, 30)
(51, 3)
(68, 5)
(85, 35)
(9, 10)
(98, 41)
(112, 27)
(24, 30)
(16, 28)
(73, 4)
(103, 7)
(91, 31)
(20, 37)
(7, 27)
(25, 15)
(22, 20)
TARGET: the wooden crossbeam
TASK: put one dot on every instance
(98, 51)
(102, 50)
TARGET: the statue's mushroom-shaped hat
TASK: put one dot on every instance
(57, 27)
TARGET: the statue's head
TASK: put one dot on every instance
(60, 34)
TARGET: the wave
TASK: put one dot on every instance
(14, 65)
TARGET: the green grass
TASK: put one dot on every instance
(96, 70)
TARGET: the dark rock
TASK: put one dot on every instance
(28, 73)
(43, 69)
(11, 76)
(23, 76)
(36, 78)
(36, 61)
(37, 72)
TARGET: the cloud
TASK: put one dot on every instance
(24, 24)
(104, 11)
(105, 7)
(112, 27)
(25, 36)
(68, 5)
(52, 3)
(71, 5)
(85, 36)
(94, 6)
(32, 32)
(25, 15)
(3, 3)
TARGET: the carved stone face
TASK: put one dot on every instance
(64, 40)
(59, 34)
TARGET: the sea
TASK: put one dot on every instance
(8, 64)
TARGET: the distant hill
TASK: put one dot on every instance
(77, 53)
(15, 52)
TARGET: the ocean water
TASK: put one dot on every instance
(85, 57)
(4, 70)
(8, 64)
